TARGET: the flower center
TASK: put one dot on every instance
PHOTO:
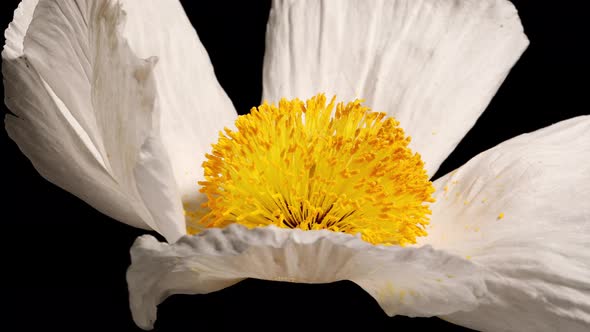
(302, 165)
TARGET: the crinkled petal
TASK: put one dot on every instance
(521, 211)
(434, 65)
(46, 132)
(193, 104)
(84, 107)
(406, 281)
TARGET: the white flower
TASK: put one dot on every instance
(121, 115)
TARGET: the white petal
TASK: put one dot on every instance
(194, 106)
(157, 188)
(432, 64)
(56, 137)
(84, 105)
(407, 281)
(521, 211)
(17, 29)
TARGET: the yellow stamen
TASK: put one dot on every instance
(302, 165)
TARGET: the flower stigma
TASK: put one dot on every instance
(318, 166)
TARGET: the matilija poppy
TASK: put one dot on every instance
(116, 102)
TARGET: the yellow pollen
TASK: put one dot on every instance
(318, 166)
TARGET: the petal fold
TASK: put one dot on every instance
(194, 107)
(406, 281)
(433, 64)
(84, 107)
(521, 212)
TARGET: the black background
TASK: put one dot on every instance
(63, 263)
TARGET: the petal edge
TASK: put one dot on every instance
(405, 281)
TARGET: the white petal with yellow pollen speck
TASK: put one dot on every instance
(406, 281)
(432, 64)
(86, 112)
(527, 224)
